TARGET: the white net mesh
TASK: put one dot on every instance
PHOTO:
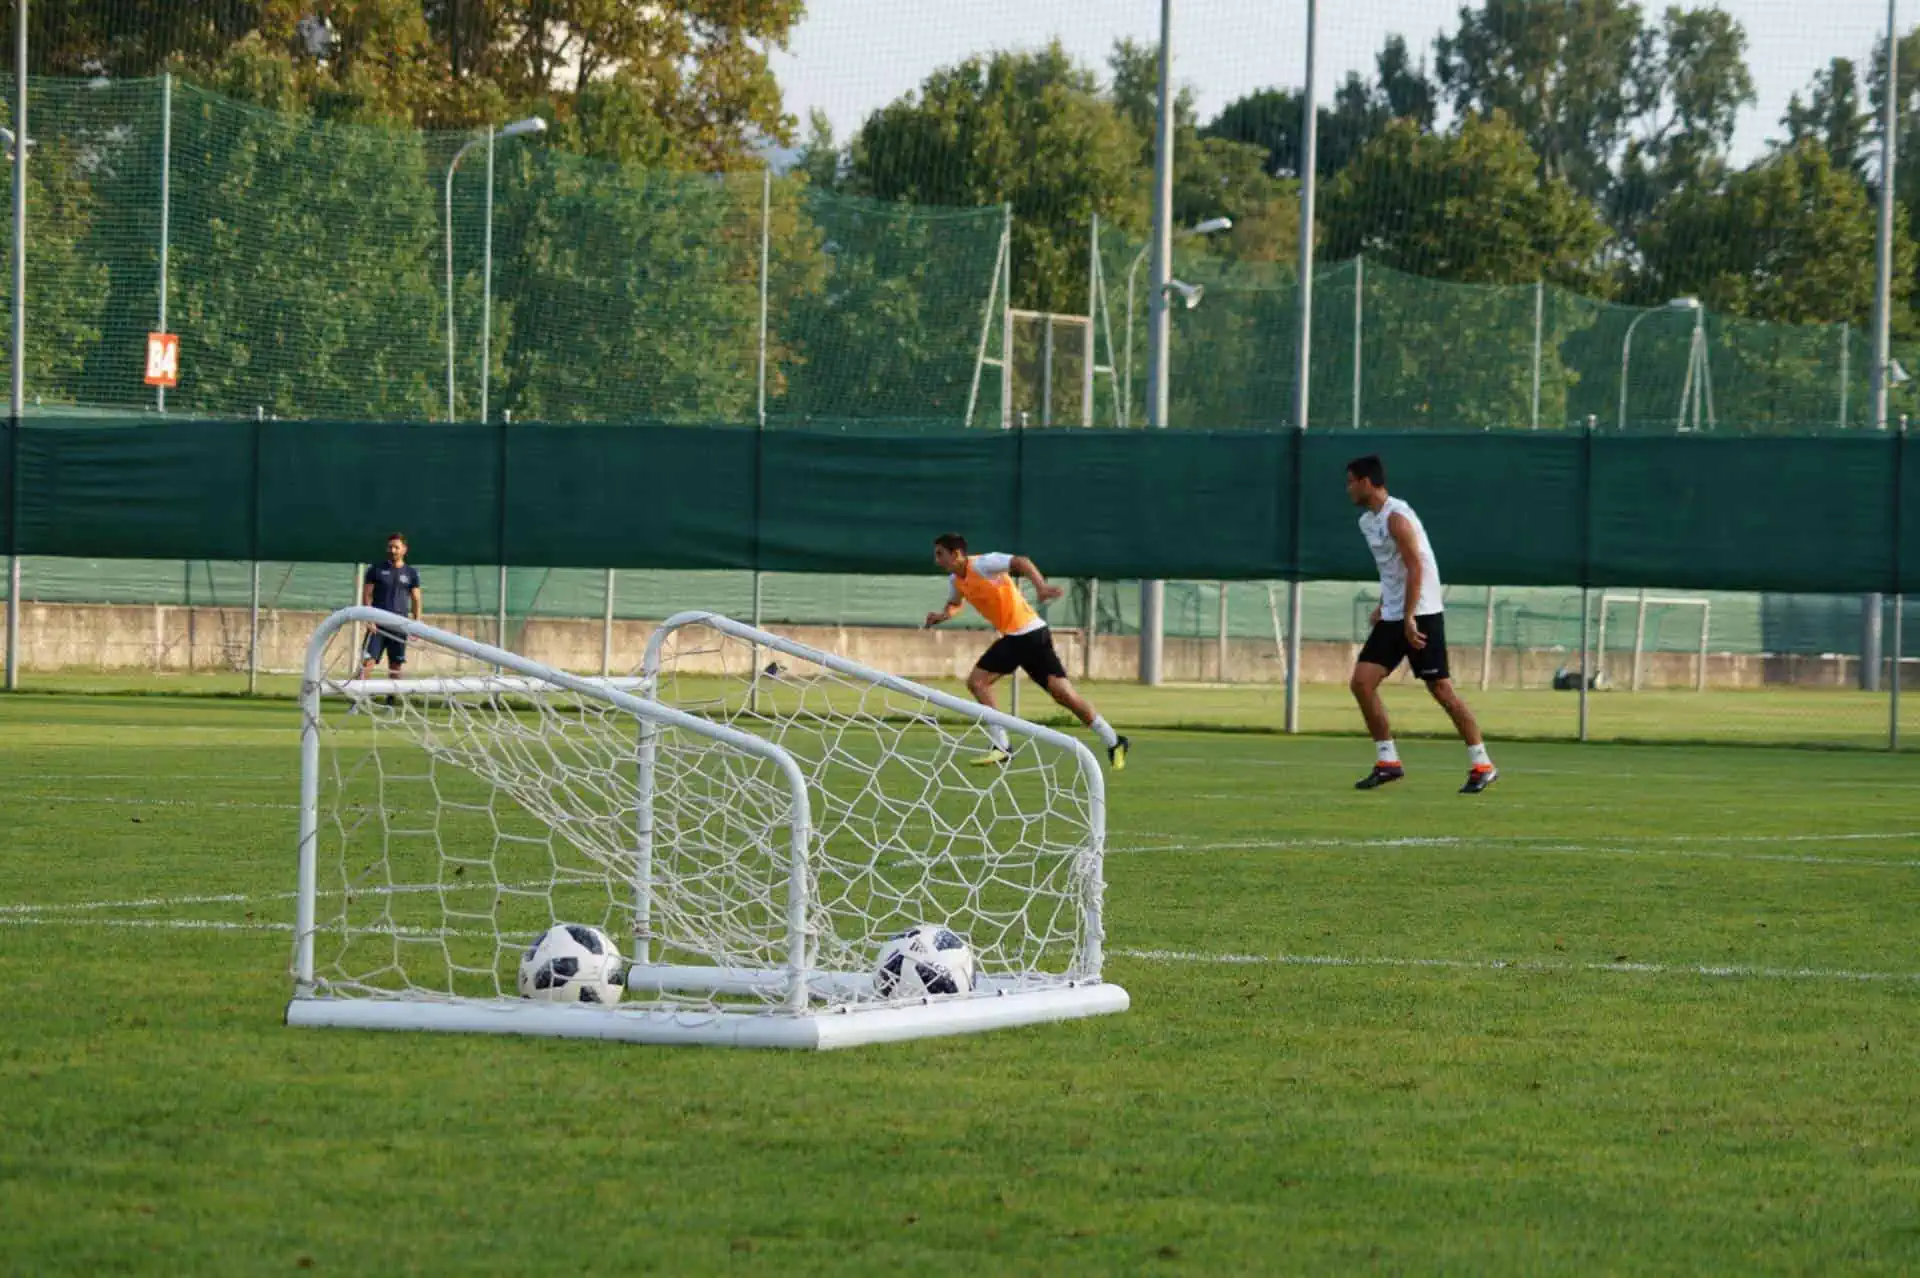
(464, 810)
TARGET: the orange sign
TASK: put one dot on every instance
(163, 359)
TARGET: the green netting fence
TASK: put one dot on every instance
(327, 271)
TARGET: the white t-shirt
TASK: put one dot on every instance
(990, 566)
(1393, 572)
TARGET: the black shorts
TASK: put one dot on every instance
(1032, 652)
(394, 647)
(1387, 646)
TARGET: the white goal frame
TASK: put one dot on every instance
(788, 1023)
(1643, 601)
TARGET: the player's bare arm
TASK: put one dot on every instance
(1401, 529)
(413, 608)
(954, 604)
(1025, 567)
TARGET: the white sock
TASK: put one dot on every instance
(1104, 730)
(997, 735)
(1477, 756)
(1386, 751)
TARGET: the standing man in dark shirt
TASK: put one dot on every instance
(393, 586)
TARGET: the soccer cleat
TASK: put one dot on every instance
(1381, 774)
(1479, 779)
(1117, 754)
(991, 759)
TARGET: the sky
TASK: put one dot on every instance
(848, 57)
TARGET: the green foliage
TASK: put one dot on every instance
(300, 284)
(1832, 115)
(1028, 129)
(1362, 109)
(67, 289)
(1790, 239)
(1466, 205)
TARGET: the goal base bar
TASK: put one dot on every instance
(811, 1032)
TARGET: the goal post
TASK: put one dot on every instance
(749, 818)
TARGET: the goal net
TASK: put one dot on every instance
(750, 820)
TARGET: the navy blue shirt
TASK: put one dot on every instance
(393, 587)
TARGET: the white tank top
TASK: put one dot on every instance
(1393, 573)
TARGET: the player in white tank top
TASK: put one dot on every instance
(1408, 625)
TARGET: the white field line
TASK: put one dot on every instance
(1540, 844)
(243, 898)
(1191, 957)
(131, 801)
(1610, 774)
(1679, 846)
(1736, 971)
(507, 940)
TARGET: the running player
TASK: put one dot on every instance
(1408, 625)
(988, 583)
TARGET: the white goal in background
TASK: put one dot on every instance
(749, 818)
(1641, 603)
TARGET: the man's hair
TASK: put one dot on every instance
(951, 541)
(1369, 468)
(399, 537)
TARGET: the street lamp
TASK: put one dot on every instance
(1189, 293)
(519, 128)
(1626, 346)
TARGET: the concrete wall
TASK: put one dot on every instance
(179, 639)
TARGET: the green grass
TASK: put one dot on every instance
(1641, 1008)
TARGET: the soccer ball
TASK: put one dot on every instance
(571, 963)
(928, 959)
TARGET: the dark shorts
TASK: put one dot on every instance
(392, 646)
(1032, 652)
(1387, 646)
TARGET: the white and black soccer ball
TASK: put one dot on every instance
(928, 959)
(572, 963)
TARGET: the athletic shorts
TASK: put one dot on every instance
(1032, 652)
(1387, 646)
(392, 646)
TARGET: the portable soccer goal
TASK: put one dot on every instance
(750, 818)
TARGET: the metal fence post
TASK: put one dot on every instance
(1539, 317)
(1359, 319)
(606, 630)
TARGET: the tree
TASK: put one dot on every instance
(1466, 205)
(1690, 81)
(691, 71)
(1215, 174)
(1361, 111)
(61, 212)
(1789, 239)
(1030, 129)
(1831, 115)
(1625, 111)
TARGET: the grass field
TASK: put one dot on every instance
(1640, 1008)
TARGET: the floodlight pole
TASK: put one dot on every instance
(1309, 160)
(1153, 592)
(166, 208)
(17, 404)
(519, 128)
(447, 237)
(1870, 605)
